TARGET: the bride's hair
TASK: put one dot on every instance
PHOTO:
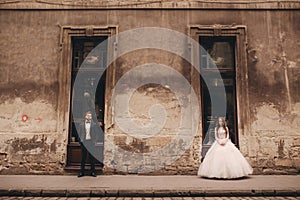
(224, 124)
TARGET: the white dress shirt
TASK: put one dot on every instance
(87, 130)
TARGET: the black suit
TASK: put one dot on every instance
(88, 146)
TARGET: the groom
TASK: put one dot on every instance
(88, 136)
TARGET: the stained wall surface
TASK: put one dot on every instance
(34, 118)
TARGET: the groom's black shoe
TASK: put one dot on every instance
(93, 174)
(80, 175)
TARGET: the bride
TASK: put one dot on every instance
(223, 159)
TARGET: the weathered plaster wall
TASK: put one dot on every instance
(29, 88)
(29, 84)
(274, 74)
(166, 95)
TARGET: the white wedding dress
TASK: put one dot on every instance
(224, 161)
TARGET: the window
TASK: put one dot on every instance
(94, 65)
(221, 61)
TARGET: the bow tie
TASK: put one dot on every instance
(87, 122)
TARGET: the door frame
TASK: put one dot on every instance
(241, 70)
(65, 71)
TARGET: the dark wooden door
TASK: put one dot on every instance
(81, 53)
(218, 65)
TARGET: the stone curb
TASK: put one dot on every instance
(145, 193)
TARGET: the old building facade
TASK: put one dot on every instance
(254, 50)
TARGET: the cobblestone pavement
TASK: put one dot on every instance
(140, 198)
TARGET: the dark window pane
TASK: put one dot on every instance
(93, 61)
(218, 53)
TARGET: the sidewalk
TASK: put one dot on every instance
(147, 186)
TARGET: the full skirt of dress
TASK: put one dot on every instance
(224, 162)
